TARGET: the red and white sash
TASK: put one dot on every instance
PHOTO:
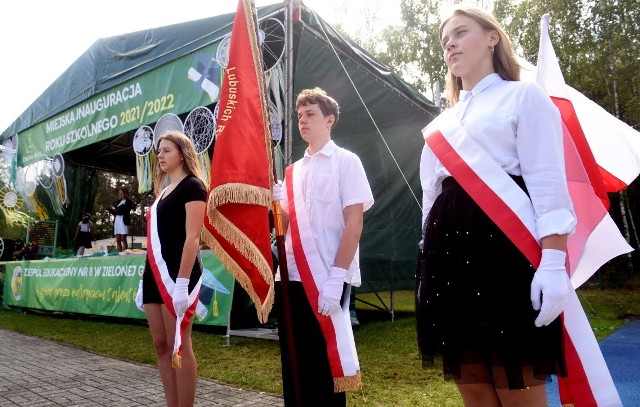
(336, 328)
(163, 280)
(511, 210)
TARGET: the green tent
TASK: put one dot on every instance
(90, 114)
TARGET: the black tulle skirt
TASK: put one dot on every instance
(84, 239)
(473, 304)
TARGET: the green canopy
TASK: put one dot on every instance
(91, 112)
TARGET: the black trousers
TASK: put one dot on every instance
(314, 372)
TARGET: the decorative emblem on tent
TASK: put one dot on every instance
(30, 180)
(168, 122)
(9, 150)
(143, 141)
(206, 75)
(21, 174)
(44, 167)
(222, 53)
(145, 158)
(271, 37)
(10, 199)
(275, 123)
(58, 165)
(200, 127)
(60, 180)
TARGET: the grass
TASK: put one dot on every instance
(388, 354)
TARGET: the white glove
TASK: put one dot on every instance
(139, 302)
(550, 286)
(277, 191)
(331, 292)
(181, 296)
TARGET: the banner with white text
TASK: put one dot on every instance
(177, 87)
(106, 286)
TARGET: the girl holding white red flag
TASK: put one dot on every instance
(497, 214)
(168, 291)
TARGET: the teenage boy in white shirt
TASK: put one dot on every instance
(323, 198)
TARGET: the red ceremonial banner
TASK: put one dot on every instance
(241, 177)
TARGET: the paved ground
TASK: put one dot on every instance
(37, 373)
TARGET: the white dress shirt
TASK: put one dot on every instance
(332, 179)
(517, 124)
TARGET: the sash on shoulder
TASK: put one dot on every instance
(511, 210)
(488, 184)
(336, 328)
(166, 284)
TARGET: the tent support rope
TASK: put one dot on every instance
(371, 117)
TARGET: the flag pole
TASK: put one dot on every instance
(292, 7)
(286, 303)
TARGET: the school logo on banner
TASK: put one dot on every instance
(16, 283)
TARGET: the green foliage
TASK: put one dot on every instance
(13, 224)
(598, 48)
(597, 44)
(413, 49)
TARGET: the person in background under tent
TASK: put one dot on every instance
(85, 234)
(122, 218)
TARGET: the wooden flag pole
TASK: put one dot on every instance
(286, 303)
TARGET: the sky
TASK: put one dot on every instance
(40, 39)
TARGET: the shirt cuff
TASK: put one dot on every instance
(353, 278)
(558, 222)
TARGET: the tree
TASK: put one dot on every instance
(598, 48)
(414, 49)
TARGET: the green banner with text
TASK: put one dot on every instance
(176, 87)
(107, 286)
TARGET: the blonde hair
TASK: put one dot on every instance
(190, 163)
(505, 62)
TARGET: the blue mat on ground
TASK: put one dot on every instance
(621, 351)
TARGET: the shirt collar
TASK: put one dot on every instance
(327, 150)
(480, 86)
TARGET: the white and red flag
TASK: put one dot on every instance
(592, 171)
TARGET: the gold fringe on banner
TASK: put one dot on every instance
(347, 383)
(263, 309)
(241, 242)
(176, 361)
(238, 193)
